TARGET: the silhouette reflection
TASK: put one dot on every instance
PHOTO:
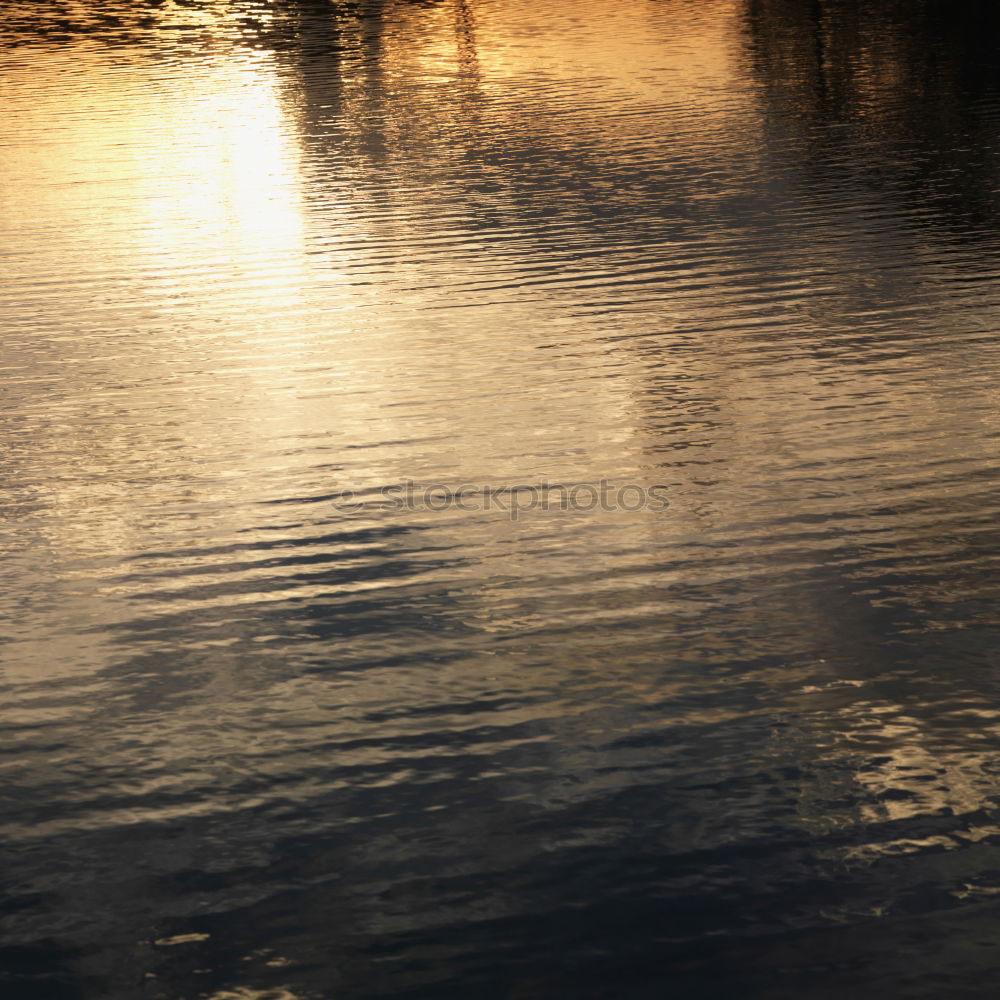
(900, 94)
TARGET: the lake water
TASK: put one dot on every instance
(328, 672)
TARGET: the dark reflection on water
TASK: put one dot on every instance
(915, 80)
(258, 746)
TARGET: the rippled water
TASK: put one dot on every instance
(268, 737)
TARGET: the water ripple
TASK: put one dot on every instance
(265, 735)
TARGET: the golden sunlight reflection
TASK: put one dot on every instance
(273, 735)
(188, 181)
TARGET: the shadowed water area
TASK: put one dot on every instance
(265, 736)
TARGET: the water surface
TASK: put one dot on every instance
(260, 743)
